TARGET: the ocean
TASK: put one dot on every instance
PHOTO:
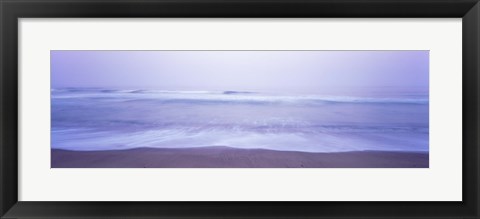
(91, 119)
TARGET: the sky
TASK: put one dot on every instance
(239, 70)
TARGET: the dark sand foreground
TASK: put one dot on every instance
(226, 157)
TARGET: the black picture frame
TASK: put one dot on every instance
(12, 10)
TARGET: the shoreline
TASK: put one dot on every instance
(228, 157)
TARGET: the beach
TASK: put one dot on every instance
(239, 109)
(228, 157)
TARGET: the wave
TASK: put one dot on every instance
(237, 92)
(230, 96)
(91, 139)
(174, 92)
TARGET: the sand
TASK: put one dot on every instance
(226, 157)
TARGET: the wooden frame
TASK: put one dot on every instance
(11, 10)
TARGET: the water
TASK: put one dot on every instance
(106, 119)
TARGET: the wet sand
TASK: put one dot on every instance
(226, 157)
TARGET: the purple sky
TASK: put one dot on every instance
(239, 70)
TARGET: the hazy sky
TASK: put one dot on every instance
(239, 70)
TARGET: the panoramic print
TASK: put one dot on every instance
(239, 109)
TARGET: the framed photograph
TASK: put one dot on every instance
(252, 109)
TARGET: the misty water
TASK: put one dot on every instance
(106, 119)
